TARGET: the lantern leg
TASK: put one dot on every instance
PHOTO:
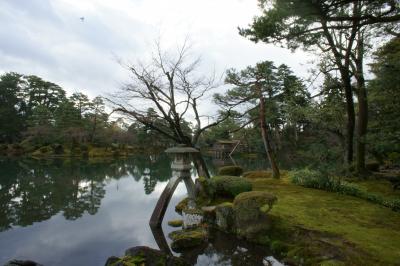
(163, 201)
(190, 187)
(159, 236)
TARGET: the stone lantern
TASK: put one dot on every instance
(181, 167)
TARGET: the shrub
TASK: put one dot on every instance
(230, 170)
(314, 179)
(258, 174)
(230, 186)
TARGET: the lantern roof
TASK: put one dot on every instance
(181, 148)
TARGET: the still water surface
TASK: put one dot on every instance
(79, 213)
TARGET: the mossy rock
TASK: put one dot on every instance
(188, 238)
(258, 174)
(251, 205)
(204, 189)
(126, 261)
(251, 210)
(209, 214)
(183, 204)
(225, 217)
(229, 186)
(230, 170)
(175, 223)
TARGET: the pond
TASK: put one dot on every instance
(63, 212)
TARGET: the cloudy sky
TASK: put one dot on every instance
(48, 38)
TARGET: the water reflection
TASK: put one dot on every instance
(32, 191)
(223, 249)
(81, 212)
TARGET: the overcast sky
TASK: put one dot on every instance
(48, 38)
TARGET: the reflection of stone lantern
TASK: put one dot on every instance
(181, 168)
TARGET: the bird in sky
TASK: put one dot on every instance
(82, 18)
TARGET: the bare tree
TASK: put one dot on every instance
(172, 86)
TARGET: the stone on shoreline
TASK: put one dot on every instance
(188, 238)
(175, 223)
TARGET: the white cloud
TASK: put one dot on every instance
(48, 38)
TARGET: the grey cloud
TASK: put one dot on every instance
(37, 9)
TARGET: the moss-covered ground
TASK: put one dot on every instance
(380, 187)
(344, 228)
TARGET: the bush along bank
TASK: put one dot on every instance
(315, 179)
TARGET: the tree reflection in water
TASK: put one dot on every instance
(33, 191)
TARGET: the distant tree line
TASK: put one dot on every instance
(37, 114)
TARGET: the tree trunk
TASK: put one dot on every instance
(278, 138)
(93, 128)
(199, 162)
(345, 76)
(265, 137)
(350, 121)
(362, 122)
(201, 166)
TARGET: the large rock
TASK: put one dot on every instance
(175, 223)
(229, 186)
(183, 204)
(225, 217)
(209, 214)
(192, 217)
(251, 210)
(188, 238)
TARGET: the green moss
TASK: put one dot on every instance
(278, 247)
(332, 263)
(379, 186)
(230, 186)
(187, 238)
(254, 200)
(183, 204)
(175, 223)
(250, 210)
(205, 189)
(99, 152)
(230, 170)
(193, 211)
(361, 232)
(129, 261)
(257, 174)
